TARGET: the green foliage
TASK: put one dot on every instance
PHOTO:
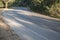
(55, 9)
(41, 5)
(47, 7)
(14, 3)
(1, 4)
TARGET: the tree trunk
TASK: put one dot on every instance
(6, 5)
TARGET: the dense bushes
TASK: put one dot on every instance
(47, 7)
(55, 9)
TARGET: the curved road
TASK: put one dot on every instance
(30, 27)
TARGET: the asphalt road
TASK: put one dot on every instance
(30, 27)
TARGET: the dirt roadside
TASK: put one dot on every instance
(6, 33)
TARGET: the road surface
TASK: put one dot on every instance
(30, 27)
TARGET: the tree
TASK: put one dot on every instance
(6, 3)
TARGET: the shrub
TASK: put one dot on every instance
(55, 10)
(47, 7)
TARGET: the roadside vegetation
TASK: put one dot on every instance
(46, 7)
